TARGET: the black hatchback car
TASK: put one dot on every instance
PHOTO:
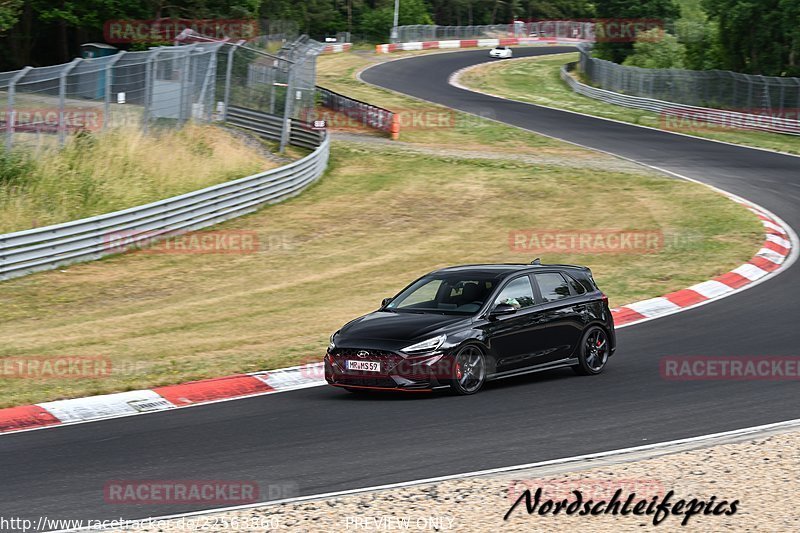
(461, 326)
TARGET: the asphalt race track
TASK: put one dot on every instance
(320, 439)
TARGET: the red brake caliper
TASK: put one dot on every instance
(458, 370)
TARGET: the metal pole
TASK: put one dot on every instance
(287, 110)
(148, 88)
(208, 80)
(271, 81)
(62, 98)
(10, 113)
(228, 73)
(185, 75)
(396, 19)
(108, 86)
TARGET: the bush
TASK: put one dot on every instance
(657, 49)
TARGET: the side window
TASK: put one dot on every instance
(585, 280)
(577, 287)
(553, 286)
(518, 293)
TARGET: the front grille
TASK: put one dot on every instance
(388, 360)
(365, 381)
(374, 355)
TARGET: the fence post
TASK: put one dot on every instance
(11, 115)
(185, 94)
(287, 109)
(228, 74)
(148, 87)
(206, 104)
(108, 86)
(62, 98)
(797, 82)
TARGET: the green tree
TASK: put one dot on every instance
(376, 24)
(10, 11)
(662, 10)
(757, 37)
(655, 49)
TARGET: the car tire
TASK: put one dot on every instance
(593, 352)
(468, 373)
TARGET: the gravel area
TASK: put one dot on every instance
(763, 474)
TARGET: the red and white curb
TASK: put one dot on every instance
(136, 402)
(769, 259)
(773, 257)
(473, 43)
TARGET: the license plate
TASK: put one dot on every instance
(364, 366)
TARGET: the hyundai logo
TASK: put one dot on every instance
(362, 353)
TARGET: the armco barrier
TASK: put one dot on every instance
(45, 248)
(702, 115)
(362, 112)
(269, 127)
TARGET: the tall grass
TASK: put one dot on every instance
(95, 174)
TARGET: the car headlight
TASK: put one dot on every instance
(332, 343)
(425, 346)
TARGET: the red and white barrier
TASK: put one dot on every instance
(337, 48)
(473, 43)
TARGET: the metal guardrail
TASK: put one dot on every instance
(685, 116)
(366, 114)
(46, 248)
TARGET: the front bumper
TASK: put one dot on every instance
(396, 372)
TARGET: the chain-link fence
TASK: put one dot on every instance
(719, 89)
(280, 83)
(165, 85)
(555, 29)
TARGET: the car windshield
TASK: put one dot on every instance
(456, 294)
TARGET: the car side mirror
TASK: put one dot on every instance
(502, 310)
(386, 301)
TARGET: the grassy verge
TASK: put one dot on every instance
(95, 174)
(537, 80)
(380, 217)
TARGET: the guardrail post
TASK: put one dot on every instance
(62, 98)
(11, 115)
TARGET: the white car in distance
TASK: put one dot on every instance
(500, 52)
